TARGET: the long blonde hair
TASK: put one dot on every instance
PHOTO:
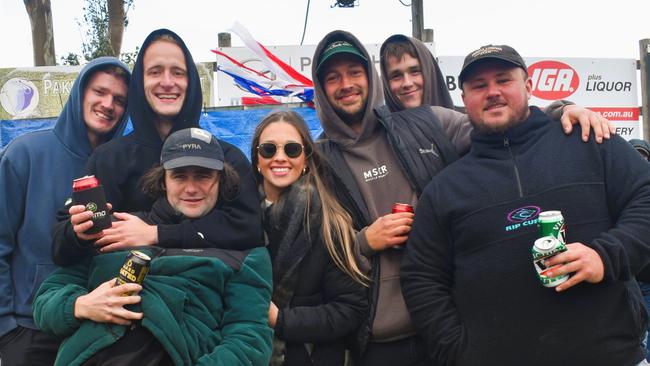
(336, 226)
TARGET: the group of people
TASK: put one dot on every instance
(295, 258)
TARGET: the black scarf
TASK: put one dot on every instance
(289, 237)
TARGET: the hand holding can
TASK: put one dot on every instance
(88, 192)
(398, 208)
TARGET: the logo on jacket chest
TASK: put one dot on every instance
(375, 173)
(432, 150)
(522, 217)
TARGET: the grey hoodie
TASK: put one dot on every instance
(381, 181)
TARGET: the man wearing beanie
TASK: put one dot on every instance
(468, 275)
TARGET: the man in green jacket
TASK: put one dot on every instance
(203, 306)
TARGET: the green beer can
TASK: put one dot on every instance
(543, 249)
(551, 223)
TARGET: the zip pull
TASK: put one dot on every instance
(506, 142)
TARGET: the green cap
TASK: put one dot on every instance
(337, 47)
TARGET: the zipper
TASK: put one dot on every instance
(506, 143)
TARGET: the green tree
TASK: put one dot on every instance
(104, 23)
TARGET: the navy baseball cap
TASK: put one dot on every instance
(192, 147)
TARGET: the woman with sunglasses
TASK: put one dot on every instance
(318, 288)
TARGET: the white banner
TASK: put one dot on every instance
(608, 86)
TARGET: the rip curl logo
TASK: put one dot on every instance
(522, 216)
(92, 207)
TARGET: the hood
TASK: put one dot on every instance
(142, 116)
(435, 87)
(70, 128)
(335, 128)
(640, 144)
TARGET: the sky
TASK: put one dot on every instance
(549, 28)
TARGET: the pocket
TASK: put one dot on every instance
(42, 271)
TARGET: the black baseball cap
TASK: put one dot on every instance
(495, 52)
(336, 47)
(192, 147)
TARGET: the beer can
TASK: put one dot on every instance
(552, 223)
(543, 249)
(84, 183)
(134, 269)
(402, 207)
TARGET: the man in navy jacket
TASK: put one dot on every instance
(468, 277)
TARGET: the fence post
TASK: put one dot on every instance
(644, 66)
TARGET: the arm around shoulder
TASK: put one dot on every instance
(234, 224)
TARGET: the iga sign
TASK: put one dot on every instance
(607, 86)
(553, 80)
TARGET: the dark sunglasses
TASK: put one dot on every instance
(268, 150)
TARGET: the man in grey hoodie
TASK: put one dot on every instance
(381, 158)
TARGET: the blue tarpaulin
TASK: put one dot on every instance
(234, 126)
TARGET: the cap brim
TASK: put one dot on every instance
(338, 52)
(463, 75)
(194, 161)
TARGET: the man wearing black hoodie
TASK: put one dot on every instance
(164, 96)
(468, 275)
(381, 157)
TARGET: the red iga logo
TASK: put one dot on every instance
(553, 80)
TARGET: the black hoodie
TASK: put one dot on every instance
(120, 164)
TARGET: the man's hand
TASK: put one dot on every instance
(389, 230)
(273, 314)
(81, 220)
(579, 259)
(105, 304)
(129, 231)
(588, 119)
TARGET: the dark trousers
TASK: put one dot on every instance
(404, 352)
(24, 346)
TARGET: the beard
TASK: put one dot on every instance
(499, 128)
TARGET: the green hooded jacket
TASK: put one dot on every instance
(205, 306)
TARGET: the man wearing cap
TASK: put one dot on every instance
(36, 173)
(196, 306)
(381, 158)
(165, 96)
(468, 277)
